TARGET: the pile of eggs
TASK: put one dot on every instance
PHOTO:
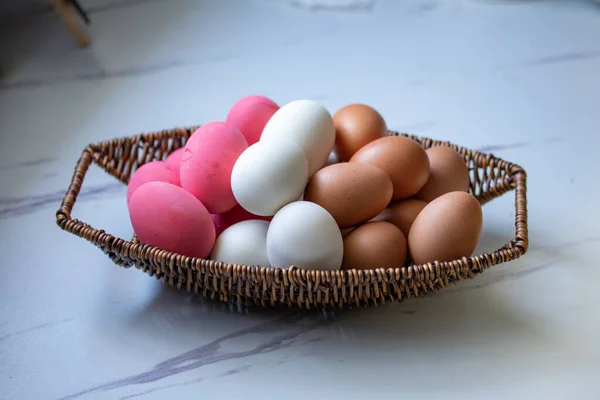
(292, 185)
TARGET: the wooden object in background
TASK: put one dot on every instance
(73, 17)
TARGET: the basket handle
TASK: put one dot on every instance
(63, 215)
(519, 178)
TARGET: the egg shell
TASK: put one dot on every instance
(403, 159)
(155, 171)
(352, 193)
(305, 235)
(374, 245)
(448, 173)
(402, 214)
(168, 217)
(355, 126)
(309, 125)
(447, 229)
(331, 159)
(174, 158)
(269, 175)
(244, 243)
(233, 216)
(346, 232)
(207, 163)
(250, 114)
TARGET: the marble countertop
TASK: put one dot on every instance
(516, 78)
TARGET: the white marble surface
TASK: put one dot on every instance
(518, 78)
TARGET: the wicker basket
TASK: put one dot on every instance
(490, 178)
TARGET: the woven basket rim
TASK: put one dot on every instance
(130, 252)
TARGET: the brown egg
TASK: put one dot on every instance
(402, 214)
(403, 159)
(355, 126)
(351, 193)
(346, 231)
(374, 245)
(448, 172)
(447, 229)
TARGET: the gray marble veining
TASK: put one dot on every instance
(282, 333)
(16, 206)
(566, 58)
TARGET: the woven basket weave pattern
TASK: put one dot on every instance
(490, 177)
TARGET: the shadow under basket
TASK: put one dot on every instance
(490, 177)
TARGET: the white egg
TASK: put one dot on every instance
(305, 235)
(243, 243)
(269, 175)
(331, 159)
(307, 123)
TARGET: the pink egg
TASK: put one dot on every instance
(166, 216)
(155, 171)
(250, 115)
(175, 158)
(206, 164)
(233, 216)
